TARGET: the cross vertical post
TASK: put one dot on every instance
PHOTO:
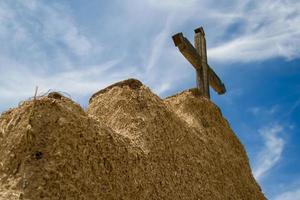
(202, 76)
(199, 71)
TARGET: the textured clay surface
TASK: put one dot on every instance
(129, 144)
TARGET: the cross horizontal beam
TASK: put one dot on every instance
(191, 54)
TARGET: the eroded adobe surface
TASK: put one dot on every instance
(129, 144)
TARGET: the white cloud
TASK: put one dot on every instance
(266, 29)
(57, 25)
(82, 82)
(242, 31)
(36, 27)
(264, 112)
(172, 4)
(43, 39)
(237, 31)
(158, 44)
(271, 153)
(289, 195)
(43, 46)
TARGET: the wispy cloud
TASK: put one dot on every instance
(289, 195)
(158, 44)
(271, 152)
(43, 46)
(56, 26)
(76, 82)
(237, 31)
(153, 65)
(243, 31)
(264, 30)
(172, 4)
(264, 112)
(43, 39)
(44, 32)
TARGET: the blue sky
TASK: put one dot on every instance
(78, 47)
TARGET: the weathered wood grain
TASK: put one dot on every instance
(192, 55)
(200, 45)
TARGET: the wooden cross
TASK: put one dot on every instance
(198, 58)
